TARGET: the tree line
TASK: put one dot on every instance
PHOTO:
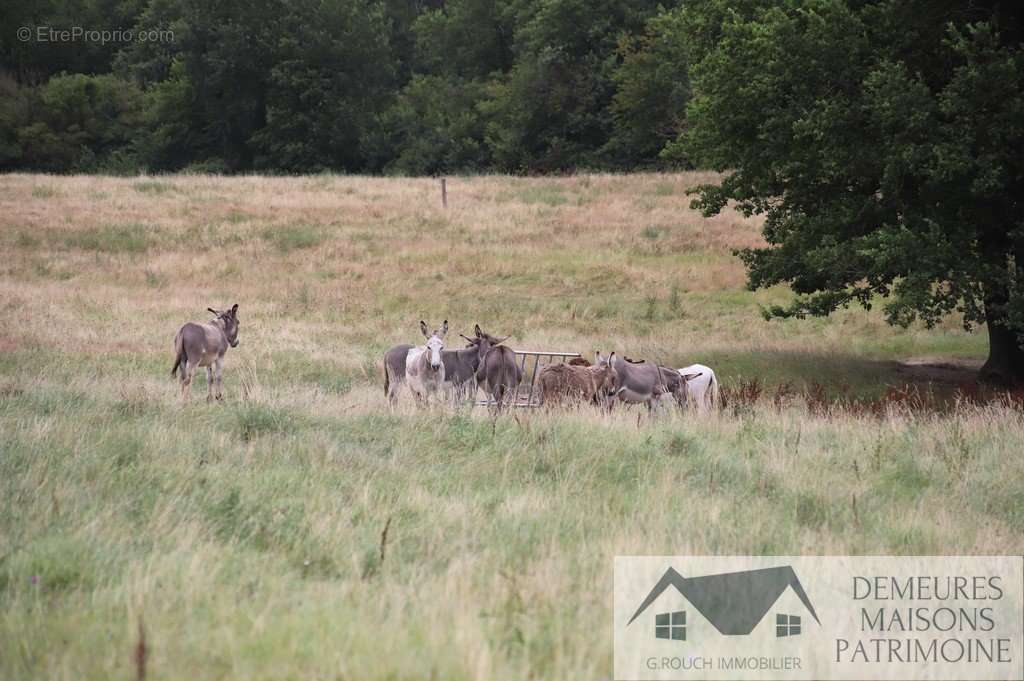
(378, 86)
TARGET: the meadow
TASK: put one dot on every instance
(302, 530)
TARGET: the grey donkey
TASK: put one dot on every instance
(498, 374)
(645, 382)
(203, 345)
(459, 369)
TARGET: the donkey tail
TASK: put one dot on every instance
(387, 379)
(180, 359)
(713, 387)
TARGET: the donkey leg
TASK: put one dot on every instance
(218, 373)
(209, 383)
(392, 383)
(186, 382)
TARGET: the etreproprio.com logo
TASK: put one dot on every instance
(81, 34)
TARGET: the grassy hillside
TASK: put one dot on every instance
(300, 530)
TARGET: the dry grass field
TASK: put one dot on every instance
(301, 530)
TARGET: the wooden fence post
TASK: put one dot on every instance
(444, 193)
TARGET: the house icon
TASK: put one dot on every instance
(734, 603)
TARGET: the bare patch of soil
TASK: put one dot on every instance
(939, 370)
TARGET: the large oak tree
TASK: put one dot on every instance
(884, 143)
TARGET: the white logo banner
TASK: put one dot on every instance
(819, 617)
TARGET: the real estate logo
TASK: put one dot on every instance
(733, 603)
(877, 617)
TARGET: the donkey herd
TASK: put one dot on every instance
(432, 372)
(486, 363)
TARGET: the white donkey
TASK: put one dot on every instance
(424, 368)
(701, 391)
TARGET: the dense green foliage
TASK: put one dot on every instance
(884, 143)
(424, 86)
(398, 86)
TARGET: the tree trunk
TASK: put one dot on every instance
(1005, 364)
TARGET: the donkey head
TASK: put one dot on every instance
(482, 345)
(608, 379)
(492, 340)
(612, 383)
(609, 382)
(435, 344)
(228, 322)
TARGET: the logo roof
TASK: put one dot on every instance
(734, 602)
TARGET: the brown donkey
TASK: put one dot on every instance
(204, 345)
(577, 384)
(498, 374)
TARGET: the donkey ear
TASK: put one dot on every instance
(477, 330)
(213, 311)
(444, 328)
(423, 328)
(234, 309)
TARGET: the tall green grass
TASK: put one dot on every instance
(249, 537)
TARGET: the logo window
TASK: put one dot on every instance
(787, 625)
(670, 625)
